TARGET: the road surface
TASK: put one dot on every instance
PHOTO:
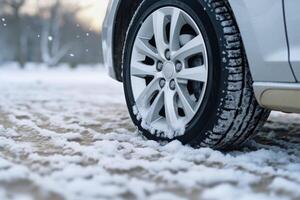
(66, 134)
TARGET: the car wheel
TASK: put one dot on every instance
(186, 77)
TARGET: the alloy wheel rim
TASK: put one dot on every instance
(169, 71)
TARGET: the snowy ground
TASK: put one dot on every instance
(66, 135)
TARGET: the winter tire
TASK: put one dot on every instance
(186, 76)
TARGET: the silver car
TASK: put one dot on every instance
(205, 72)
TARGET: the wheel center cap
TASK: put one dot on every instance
(168, 70)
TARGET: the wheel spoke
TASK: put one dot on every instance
(156, 106)
(159, 29)
(141, 70)
(176, 25)
(194, 74)
(185, 101)
(193, 47)
(170, 111)
(144, 98)
(146, 49)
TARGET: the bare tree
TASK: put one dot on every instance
(16, 6)
(51, 48)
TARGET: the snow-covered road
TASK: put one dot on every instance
(66, 134)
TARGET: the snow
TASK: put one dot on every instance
(229, 192)
(284, 185)
(158, 129)
(66, 134)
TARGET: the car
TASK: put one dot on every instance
(204, 72)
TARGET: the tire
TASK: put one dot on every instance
(229, 114)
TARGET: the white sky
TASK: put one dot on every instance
(91, 15)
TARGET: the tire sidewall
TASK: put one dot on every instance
(206, 117)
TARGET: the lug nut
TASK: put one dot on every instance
(178, 66)
(172, 85)
(159, 66)
(168, 54)
(162, 83)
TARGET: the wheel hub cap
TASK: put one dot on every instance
(168, 70)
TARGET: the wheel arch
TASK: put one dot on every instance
(123, 16)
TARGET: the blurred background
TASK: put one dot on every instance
(51, 32)
(65, 132)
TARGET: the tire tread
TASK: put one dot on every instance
(240, 117)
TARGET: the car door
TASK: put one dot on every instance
(292, 16)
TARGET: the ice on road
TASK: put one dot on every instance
(66, 134)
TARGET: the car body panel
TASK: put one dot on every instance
(263, 30)
(107, 37)
(261, 24)
(267, 56)
(293, 31)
